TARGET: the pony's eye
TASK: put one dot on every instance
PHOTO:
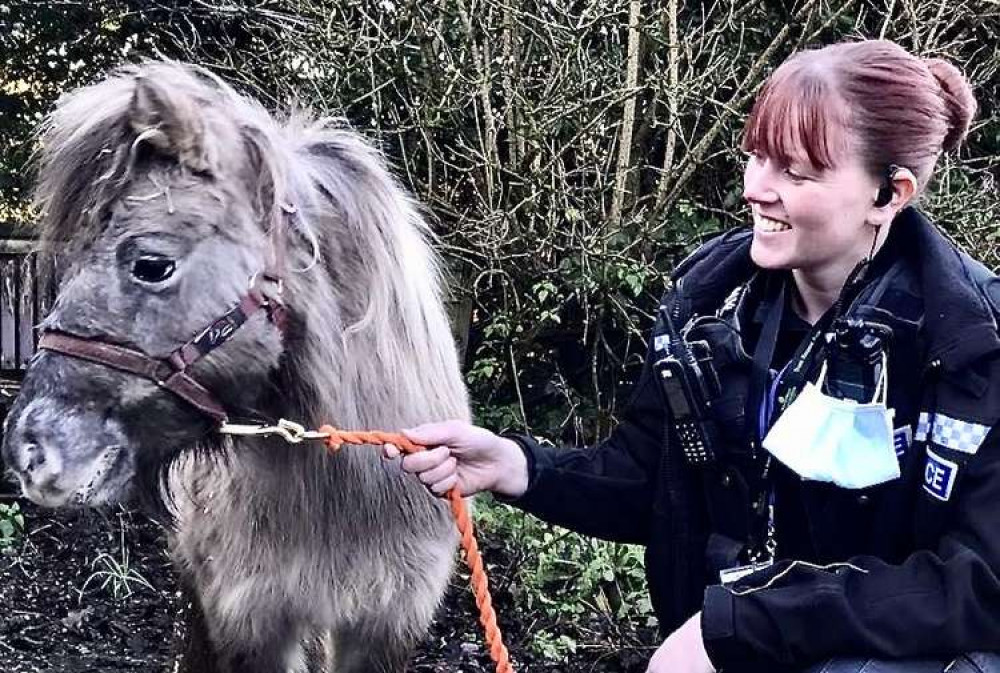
(153, 269)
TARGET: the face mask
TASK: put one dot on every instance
(828, 439)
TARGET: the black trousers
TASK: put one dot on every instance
(976, 662)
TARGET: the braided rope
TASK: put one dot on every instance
(473, 559)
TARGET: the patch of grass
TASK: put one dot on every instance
(115, 574)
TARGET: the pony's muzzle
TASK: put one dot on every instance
(65, 456)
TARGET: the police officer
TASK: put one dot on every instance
(810, 455)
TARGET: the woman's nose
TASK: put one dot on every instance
(757, 185)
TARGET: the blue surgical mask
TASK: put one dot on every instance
(825, 438)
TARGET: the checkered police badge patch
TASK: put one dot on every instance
(953, 433)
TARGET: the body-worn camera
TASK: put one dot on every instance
(689, 384)
(856, 350)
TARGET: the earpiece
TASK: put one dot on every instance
(884, 195)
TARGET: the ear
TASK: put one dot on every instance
(257, 173)
(903, 185)
(171, 122)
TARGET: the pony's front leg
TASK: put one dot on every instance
(274, 646)
(220, 648)
(372, 646)
(265, 640)
(198, 655)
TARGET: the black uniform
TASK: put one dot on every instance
(925, 548)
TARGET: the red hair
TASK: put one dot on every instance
(871, 97)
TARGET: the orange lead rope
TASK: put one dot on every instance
(487, 616)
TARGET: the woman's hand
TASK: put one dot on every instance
(683, 651)
(463, 455)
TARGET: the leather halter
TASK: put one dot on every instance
(171, 372)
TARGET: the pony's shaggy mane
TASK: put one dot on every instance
(279, 543)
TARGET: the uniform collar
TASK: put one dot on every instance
(959, 322)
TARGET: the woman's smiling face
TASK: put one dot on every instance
(809, 217)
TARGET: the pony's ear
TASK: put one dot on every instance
(171, 122)
(257, 172)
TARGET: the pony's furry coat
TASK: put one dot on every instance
(283, 546)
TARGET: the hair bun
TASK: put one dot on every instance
(958, 99)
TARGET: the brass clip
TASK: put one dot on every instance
(291, 432)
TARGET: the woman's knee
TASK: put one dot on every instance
(976, 662)
(838, 666)
(864, 665)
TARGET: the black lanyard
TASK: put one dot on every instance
(763, 354)
(762, 543)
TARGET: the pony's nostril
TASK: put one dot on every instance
(33, 458)
(40, 464)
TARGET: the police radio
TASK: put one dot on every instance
(689, 383)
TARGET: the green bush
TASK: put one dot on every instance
(565, 581)
(11, 524)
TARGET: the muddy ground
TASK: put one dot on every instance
(59, 611)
